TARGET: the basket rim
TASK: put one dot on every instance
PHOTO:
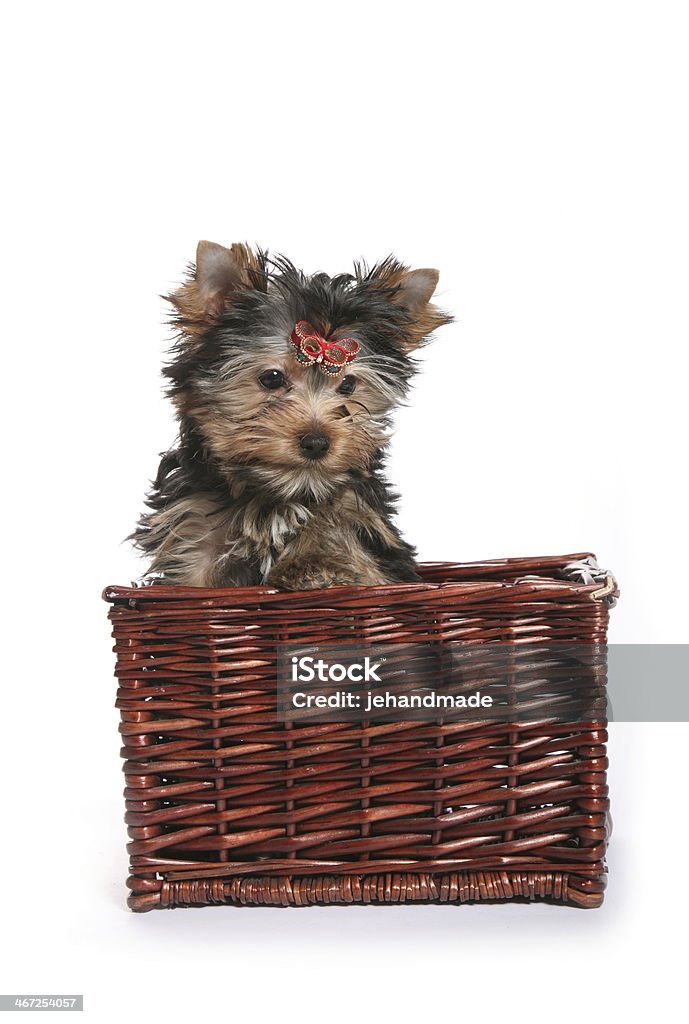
(533, 583)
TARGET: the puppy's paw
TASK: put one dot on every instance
(311, 577)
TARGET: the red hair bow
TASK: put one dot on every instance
(311, 348)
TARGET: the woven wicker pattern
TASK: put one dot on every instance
(225, 805)
(465, 887)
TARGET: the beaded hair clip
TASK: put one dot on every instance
(311, 349)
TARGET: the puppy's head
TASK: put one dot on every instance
(237, 377)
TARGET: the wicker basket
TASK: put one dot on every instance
(225, 805)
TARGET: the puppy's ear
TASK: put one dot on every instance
(416, 288)
(217, 277)
(413, 291)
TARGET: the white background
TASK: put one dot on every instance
(536, 153)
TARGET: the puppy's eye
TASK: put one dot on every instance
(272, 380)
(348, 385)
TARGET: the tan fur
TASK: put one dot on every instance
(413, 289)
(325, 553)
(219, 272)
(295, 548)
(244, 423)
(191, 543)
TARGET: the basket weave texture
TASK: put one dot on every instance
(226, 805)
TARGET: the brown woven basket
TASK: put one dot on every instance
(225, 805)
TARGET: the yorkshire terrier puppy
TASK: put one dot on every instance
(284, 386)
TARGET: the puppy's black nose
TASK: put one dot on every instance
(314, 446)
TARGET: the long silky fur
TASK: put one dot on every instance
(234, 502)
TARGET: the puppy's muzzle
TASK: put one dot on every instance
(314, 446)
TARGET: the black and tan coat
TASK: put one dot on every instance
(277, 474)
